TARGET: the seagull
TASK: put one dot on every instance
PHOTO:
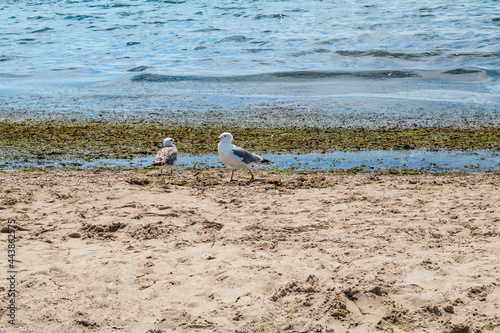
(236, 157)
(167, 156)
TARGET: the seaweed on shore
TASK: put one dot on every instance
(93, 140)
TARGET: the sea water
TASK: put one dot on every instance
(101, 39)
(345, 63)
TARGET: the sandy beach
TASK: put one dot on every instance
(108, 251)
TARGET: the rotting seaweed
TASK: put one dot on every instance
(93, 140)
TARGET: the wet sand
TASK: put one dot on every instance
(125, 252)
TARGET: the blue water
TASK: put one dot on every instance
(355, 63)
(360, 63)
(103, 39)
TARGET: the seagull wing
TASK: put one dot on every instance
(246, 156)
(166, 156)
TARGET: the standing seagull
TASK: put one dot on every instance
(236, 157)
(167, 156)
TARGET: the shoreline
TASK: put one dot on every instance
(216, 178)
(411, 162)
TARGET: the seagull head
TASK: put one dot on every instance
(168, 142)
(226, 137)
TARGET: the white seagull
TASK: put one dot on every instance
(236, 157)
(167, 156)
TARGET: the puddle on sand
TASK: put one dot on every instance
(368, 161)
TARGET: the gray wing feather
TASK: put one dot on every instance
(246, 156)
(166, 156)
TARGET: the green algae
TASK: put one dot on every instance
(94, 140)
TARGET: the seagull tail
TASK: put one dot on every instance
(264, 161)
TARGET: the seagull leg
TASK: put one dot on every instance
(251, 179)
(232, 174)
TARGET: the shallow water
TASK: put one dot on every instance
(309, 99)
(366, 161)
